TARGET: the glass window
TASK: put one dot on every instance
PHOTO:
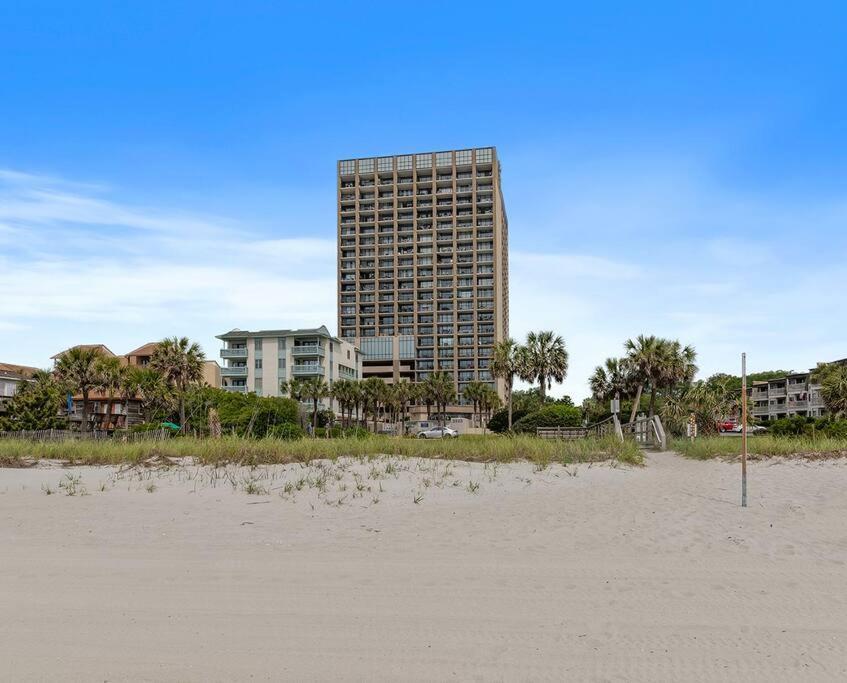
(423, 161)
(348, 167)
(444, 159)
(366, 165)
(463, 157)
(258, 363)
(484, 155)
(385, 164)
(404, 163)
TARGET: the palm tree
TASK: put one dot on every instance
(341, 392)
(404, 393)
(507, 364)
(544, 359)
(610, 379)
(78, 369)
(644, 355)
(356, 398)
(294, 389)
(110, 377)
(149, 386)
(832, 378)
(489, 401)
(474, 392)
(314, 389)
(440, 388)
(180, 362)
(374, 392)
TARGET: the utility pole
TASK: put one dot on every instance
(744, 430)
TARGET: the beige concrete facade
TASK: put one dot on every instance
(261, 361)
(423, 269)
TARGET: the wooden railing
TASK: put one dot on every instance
(647, 432)
(93, 435)
(605, 427)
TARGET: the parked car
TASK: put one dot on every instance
(438, 433)
(727, 426)
(751, 429)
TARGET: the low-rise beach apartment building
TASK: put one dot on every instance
(794, 394)
(261, 361)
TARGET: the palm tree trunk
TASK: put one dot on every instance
(109, 409)
(509, 401)
(182, 412)
(315, 418)
(652, 399)
(636, 403)
(543, 389)
(85, 410)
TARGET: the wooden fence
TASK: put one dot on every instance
(70, 435)
(647, 432)
(605, 427)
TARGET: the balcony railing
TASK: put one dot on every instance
(307, 350)
(236, 390)
(314, 370)
(240, 371)
(234, 353)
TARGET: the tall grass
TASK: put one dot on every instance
(271, 451)
(760, 446)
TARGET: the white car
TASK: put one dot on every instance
(751, 429)
(438, 433)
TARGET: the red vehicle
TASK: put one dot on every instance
(727, 425)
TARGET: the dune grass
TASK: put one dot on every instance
(491, 448)
(760, 447)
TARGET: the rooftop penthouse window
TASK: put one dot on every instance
(484, 155)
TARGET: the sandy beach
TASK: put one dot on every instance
(419, 570)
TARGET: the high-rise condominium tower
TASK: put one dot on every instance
(423, 270)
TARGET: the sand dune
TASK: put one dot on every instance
(595, 573)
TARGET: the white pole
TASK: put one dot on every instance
(744, 430)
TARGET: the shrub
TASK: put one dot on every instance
(241, 414)
(555, 415)
(288, 431)
(499, 422)
(808, 426)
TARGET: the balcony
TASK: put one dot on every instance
(234, 353)
(234, 371)
(235, 389)
(314, 370)
(307, 350)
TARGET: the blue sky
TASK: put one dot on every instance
(678, 169)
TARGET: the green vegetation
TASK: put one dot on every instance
(555, 415)
(833, 380)
(180, 362)
(237, 450)
(507, 365)
(543, 359)
(36, 405)
(705, 448)
(808, 426)
(78, 369)
(245, 415)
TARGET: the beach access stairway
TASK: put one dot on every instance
(647, 432)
